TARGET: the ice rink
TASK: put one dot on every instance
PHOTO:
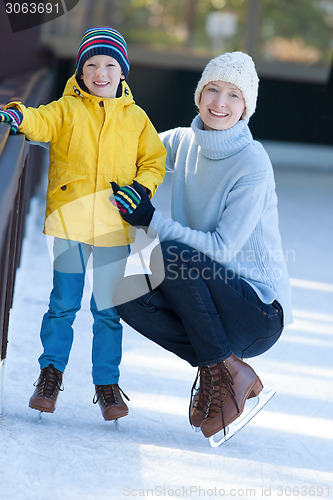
(284, 452)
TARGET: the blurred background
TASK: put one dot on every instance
(170, 41)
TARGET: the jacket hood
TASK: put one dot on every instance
(73, 88)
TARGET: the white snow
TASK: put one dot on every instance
(284, 452)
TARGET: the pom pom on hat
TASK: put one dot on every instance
(236, 68)
(102, 40)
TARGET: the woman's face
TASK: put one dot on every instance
(221, 105)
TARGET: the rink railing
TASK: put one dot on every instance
(20, 169)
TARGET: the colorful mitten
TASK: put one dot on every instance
(12, 116)
(133, 204)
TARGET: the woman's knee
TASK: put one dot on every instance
(132, 311)
(175, 254)
(174, 250)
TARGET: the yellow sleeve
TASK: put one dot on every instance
(43, 123)
(151, 158)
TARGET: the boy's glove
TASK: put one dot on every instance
(133, 204)
(13, 117)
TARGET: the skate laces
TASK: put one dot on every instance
(222, 385)
(49, 382)
(201, 396)
(109, 395)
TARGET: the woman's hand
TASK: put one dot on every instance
(133, 204)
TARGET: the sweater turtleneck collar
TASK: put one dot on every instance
(220, 144)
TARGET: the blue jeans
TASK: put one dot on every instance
(199, 312)
(70, 264)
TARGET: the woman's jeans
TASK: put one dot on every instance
(70, 264)
(199, 312)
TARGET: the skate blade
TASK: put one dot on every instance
(242, 420)
(40, 414)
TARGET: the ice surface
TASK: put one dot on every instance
(284, 452)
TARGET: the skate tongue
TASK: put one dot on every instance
(242, 420)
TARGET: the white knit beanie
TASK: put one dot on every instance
(236, 68)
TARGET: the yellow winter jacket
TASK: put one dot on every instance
(93, 141)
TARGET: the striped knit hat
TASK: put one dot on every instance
(102, 40)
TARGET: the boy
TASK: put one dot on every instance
(97, 134)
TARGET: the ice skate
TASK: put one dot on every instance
(233, 383)
(47, 389)
(200, 400)
(111, 402)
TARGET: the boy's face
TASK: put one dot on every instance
(221, 105)
(101, 75)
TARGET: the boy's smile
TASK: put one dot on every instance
(101, 75)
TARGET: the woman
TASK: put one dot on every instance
(226, 291)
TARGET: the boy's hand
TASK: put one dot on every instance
(126, 198)
(133, 204)
(12, 116)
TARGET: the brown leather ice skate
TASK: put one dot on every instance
(233, 383)
(110, 401)
(47, 389)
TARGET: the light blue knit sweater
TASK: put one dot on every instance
(223, 203)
